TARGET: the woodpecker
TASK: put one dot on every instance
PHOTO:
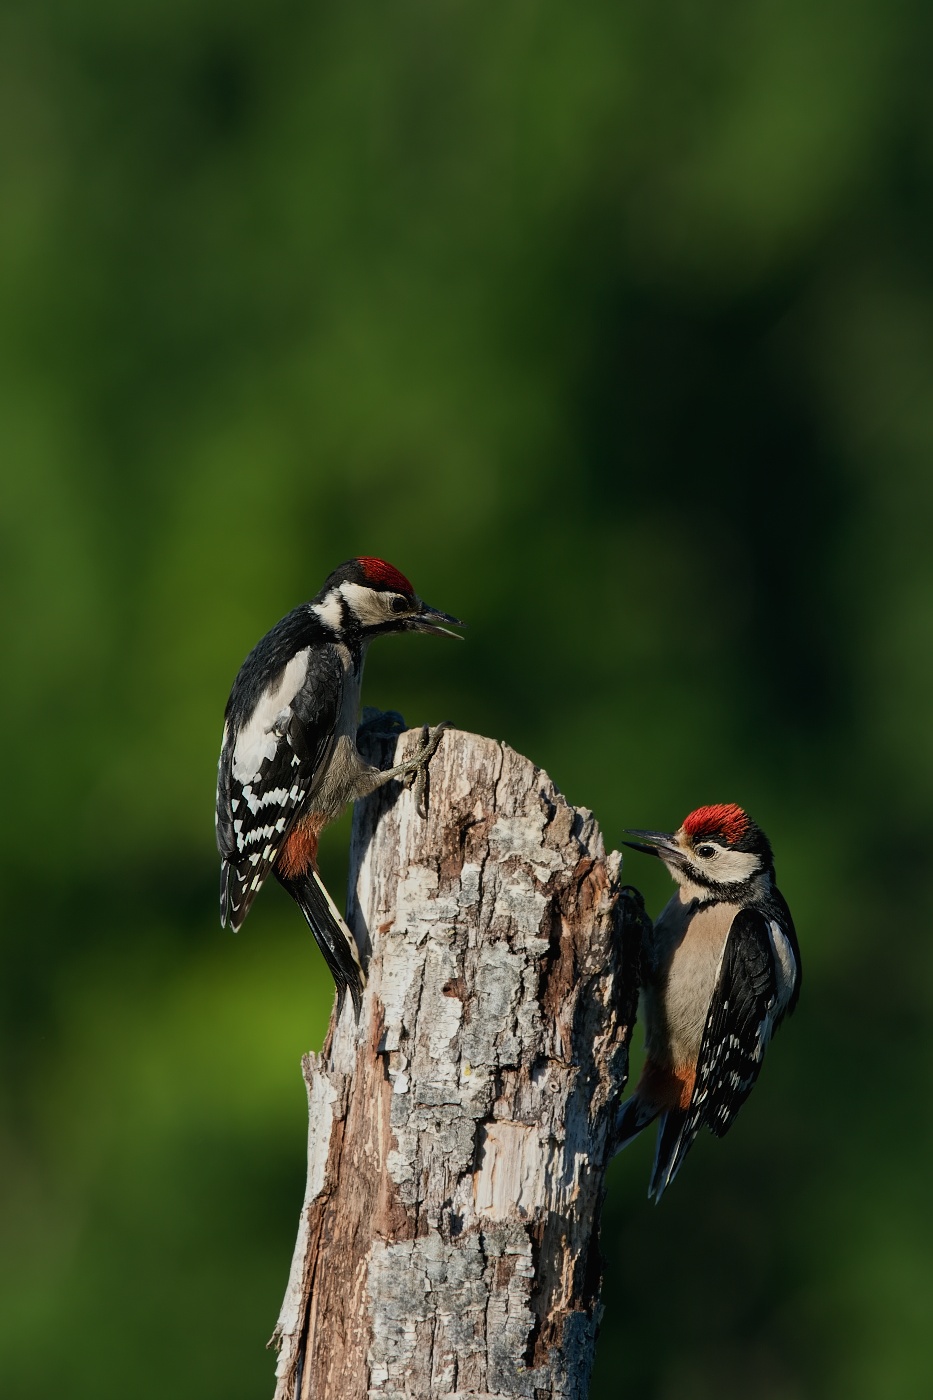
(722, 971)
(289, 764)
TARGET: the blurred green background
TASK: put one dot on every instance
(612, 326)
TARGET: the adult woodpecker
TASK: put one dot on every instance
(723, 970)
(289, 764)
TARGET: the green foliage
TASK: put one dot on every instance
(611, 327)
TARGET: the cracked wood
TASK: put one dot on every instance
(459, 1132)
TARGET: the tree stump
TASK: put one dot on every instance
(460, 1130)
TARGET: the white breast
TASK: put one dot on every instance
(688, 951)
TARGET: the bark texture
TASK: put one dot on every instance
(459, 1132)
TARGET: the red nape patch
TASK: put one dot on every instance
(378, 571)
(726, 819)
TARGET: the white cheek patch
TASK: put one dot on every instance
(732, 867)
(369, 606)
(257, 741)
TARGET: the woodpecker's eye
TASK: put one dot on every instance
(704, 852)
(399, 604)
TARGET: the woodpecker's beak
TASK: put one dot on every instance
(427, 621)
(656, 843)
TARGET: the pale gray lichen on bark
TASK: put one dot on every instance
(459, 1132)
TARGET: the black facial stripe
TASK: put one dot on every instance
(733, 891)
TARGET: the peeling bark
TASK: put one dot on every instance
(459, 1132)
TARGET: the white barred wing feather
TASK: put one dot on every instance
(270, 762)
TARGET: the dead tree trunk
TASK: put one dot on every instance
(448, 1243)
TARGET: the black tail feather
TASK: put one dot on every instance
(631, 1118)
(675, 1139)
(333, 937)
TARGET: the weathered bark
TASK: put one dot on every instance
(459, 1133)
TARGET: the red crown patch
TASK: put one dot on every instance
(725, 818)
(378, 571)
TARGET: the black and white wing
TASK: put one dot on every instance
(757, 985)
(275, 747)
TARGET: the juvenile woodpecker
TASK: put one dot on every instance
(289, 764)
(723, 970)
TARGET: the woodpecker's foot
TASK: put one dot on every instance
(430, 738)
(414, 768)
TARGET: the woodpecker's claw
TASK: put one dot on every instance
(430, 738)
(417, 777)
(417, 756)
